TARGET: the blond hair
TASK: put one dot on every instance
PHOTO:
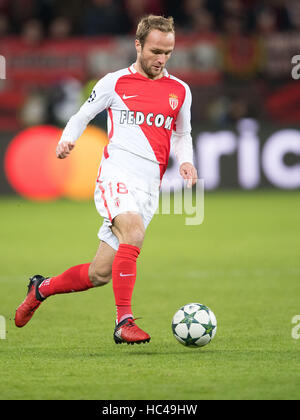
(151, 22)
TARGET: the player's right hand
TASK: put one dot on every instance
(63, 149)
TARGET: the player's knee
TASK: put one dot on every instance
(99, 277)
(129, 229)
(134, 236)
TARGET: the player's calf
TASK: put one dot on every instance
(101, 266)
(99, 277)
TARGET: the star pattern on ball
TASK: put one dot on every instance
(189, 341)
(209, 328)
(189, 319)
(204, 308)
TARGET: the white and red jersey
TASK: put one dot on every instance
(142, 114)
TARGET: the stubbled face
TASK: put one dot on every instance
(153, 56)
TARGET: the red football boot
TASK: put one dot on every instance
(32, 301)
(128, 332)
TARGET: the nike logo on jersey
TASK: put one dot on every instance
(126, 275)
(128, 97)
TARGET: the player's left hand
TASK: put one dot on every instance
(188, 172)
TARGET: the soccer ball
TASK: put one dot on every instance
(194, 325)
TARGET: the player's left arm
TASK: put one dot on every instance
(182, 141)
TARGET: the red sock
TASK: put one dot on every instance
(123, 278)
(75, 279)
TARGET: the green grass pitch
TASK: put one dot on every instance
(243, 262)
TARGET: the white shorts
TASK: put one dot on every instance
(125, 183)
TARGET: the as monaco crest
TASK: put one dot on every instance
(173, 101)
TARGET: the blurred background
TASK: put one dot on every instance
(241, 59)
(237, 56)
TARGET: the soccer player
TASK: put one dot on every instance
(148, 109)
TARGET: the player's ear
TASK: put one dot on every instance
(138, 46)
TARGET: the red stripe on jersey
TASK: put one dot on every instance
(105, 152)
(153, 98)
(105, 202)
(111, 133)
(99, 172)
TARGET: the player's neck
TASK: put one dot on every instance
(140, 70)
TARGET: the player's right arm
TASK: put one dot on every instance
(63, 149)
(99, 100)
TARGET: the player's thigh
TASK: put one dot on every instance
(129, 228)
(101, 266)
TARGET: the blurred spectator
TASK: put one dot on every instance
(156, 7)
(4, 25)
(21, 11)
(203, 22)
(190, 8)
(134, 10)
(238, 109)
(235, 21)
(34, 109)
(174, 8)
(233, 7)
(64, 100)
(60, 28)
(4, 6)
(283, 20)
(45, 11)
(114, 17)
(233, 25)
(216, 8)
(266, 21)
(250, 4)
(227, 109)
(293, 12)
(32, 32)
(102, 17)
